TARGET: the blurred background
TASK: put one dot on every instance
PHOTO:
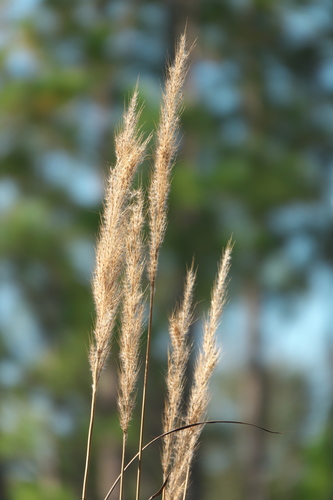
(255, 161)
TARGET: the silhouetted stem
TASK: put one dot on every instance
(161, 490)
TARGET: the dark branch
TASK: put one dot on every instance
(183, 427)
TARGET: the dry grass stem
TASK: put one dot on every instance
(130, 150)
(178, 356)
(158, 196)
(120, 264)
(199, 396)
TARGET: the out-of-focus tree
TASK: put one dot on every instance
(255, 161)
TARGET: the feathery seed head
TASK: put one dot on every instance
(132, 311)
(130, 151)
(164, 155)
(186, 441)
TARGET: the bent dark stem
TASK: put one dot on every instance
(183, 427)
(157, 494)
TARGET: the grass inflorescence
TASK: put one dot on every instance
(123, 256)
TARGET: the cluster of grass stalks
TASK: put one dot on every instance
(123, 257)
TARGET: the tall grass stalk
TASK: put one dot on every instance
(180, 323)
(121, 256)
(132, 320)
(199, 396)
(130, 150)
(158, 197)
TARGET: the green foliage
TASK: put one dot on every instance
(32, 491)
(238, 166)
(318, 463)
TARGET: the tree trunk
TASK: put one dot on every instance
(255, 401)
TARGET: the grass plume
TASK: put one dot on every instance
(165, 152)
(121, 255)
(132, 319)
(130, 150)
(180, 323)
(158, 197)
(199, 396)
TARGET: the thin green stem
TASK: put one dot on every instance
(88, 451)
(121, 490)
(144, 391)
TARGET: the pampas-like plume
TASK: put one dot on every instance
(118, 274)
(199, 395)
(130, 150)
(158, 196)
(132, 312)
(180, 323)
(132, 320)
(165, 151)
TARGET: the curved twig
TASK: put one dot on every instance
(183, 427)
(158, 493)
